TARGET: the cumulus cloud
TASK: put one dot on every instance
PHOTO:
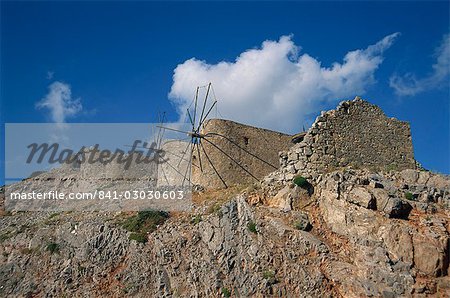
(60, 103)
(275, 86)
(408, 84)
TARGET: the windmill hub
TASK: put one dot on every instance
(196, 134)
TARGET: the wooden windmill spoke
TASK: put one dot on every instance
(190, 118)
(176, 155)
(240, 147)
(177, 140)
(173, 129)
(199, 158)
(209, 111)
(189, 165)
(171, 153)
(184, 153)
(165, 176)
(195, 107)
(157, 148)
(212, 165)
(204, 103)
(227, 155)
(160, 135)
(178, 172)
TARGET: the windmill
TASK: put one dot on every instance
(201, 145)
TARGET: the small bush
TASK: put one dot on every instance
(392, 167)
(409, 196)
(300, 181)
(197, 219)
(53, 247)
(142, 223)
(26, 251)
(138, 237)
(302, 225)
(145, 221)
(6, 236)
(53, 215)
(226, 292)
(269, 275)
(216, 209)
(252, 227)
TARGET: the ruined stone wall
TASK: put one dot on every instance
(356, 134)
(247, 145)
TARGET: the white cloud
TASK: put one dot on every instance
(60, 102)
(275, 87)
(408, 84)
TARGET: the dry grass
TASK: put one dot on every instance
(213, 199)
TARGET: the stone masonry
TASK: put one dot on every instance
(357, 134)
(247, 145)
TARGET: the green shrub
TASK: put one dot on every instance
(52, 247)
(302, 225)
(26, 251)
(215, 208)
(300, 181)
(392, 167)
(226, 292)
(197, 219)
(53, 215)
(6, 236)
(252, 227)
(139, 237)
(145, 221)
(409, 196)
(269, 275)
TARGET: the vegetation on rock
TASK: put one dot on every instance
(144, 222)
(300, 181)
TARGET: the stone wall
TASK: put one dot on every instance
(255, 149)
(357, 134)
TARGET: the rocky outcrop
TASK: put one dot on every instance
(342, 238)
(389, 231)
(219, 253)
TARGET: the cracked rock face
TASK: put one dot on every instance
(341, 238)
(397, 244)
(180, 258)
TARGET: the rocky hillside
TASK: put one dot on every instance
(320, 226)
(347, 233)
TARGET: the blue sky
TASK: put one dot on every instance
(118, 60)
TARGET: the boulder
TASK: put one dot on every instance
(397, 208)
(398, 241)
(301, 221)
(431, 255)
(409, 176)
(361, 197)
(282, 200)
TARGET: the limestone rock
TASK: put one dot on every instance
(362, 197)
(431, 255)
(398, 241)
(396, 208)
